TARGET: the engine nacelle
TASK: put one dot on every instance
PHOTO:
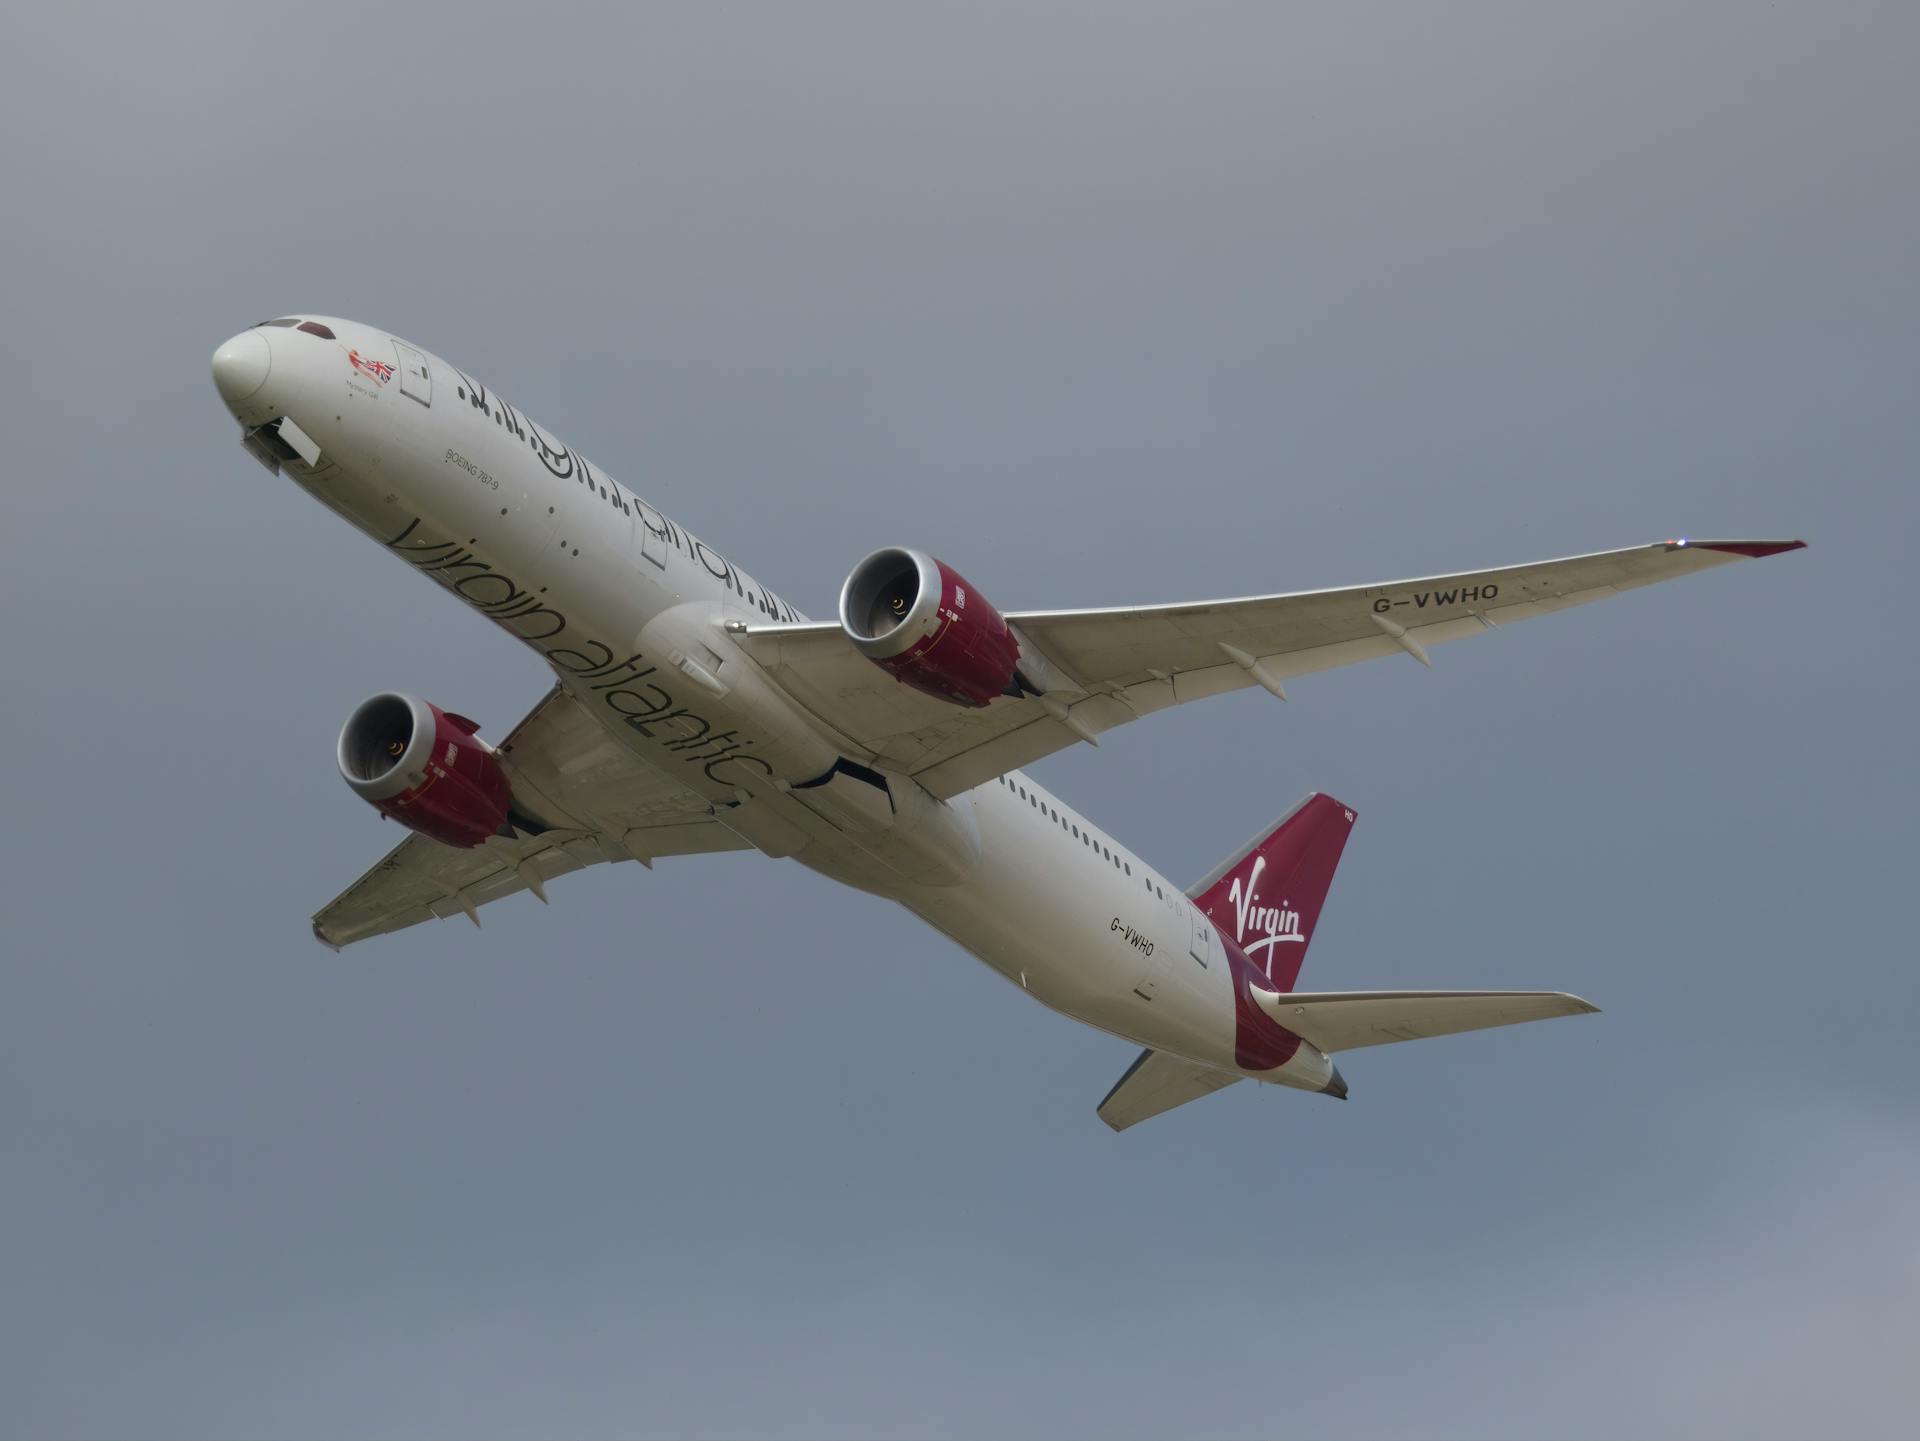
(919, 620)
(425, 768)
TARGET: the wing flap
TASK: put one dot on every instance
(1347, 1020)
(1157, 1082)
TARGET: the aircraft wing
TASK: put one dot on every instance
(1347, 1020)
(1102, 668)
(594, 801)
(1158, 1082)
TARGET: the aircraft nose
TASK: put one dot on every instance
(240, 366)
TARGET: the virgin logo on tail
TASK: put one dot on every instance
(1275, 925)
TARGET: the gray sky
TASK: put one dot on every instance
(1101, 305)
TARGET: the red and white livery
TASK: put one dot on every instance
(694, 710)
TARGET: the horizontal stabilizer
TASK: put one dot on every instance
(1346, 1020)
(1158, 1082)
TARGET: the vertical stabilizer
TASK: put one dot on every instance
(1268, 896)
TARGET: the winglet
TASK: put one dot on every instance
(1752, 549)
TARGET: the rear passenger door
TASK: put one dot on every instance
(1201, 945)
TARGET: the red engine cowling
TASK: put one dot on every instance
(425, 768)
(919, 620)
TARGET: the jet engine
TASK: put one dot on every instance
(425, 767)
(919, 620)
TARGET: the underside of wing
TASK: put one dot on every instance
(422, 880)
(1347, 1020)
(585, 798)
(1158, 1082)
(1103, 668)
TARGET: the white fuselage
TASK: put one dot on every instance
(632, 613)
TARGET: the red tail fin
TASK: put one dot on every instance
(1268, 896)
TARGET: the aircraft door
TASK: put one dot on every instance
(652, 526)
(1200, 936)
(415, 379)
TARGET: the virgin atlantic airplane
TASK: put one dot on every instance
(694, 710)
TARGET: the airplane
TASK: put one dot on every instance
(695, 711)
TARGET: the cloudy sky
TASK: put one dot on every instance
(1102, 305)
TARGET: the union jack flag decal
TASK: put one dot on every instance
(379, 370)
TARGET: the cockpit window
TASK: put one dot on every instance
(284, 320)
(314, 327)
